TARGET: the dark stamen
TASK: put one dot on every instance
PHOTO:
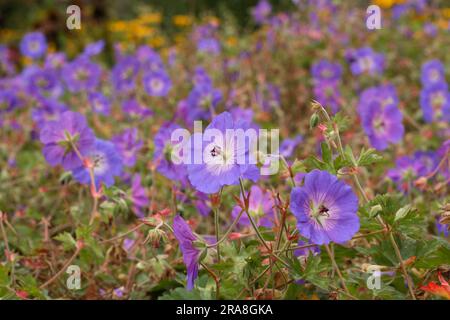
(323, 210)
(215, 151)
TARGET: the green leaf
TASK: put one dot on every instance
(313, 271)
(4, 278)
(341, 120)
(350, 157)
(68, 242)
(402, 212)
(368, 157)
(326, 153)
(181, 294)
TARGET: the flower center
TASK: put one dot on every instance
(366, 63)
(69, 141)
(82, 75)
(156, 84)
(437, 100)
(319, 213)
(434, 75)
(99, 162)
(216, 151)
(378, 125)
(327, 73)
(206, 100)
(34, 45)
(168, 151)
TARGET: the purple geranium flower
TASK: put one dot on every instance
(149, 59)
(429, 161)
(304, 252)
(99, 103)
(201, 77)
(128, 144)
(383, 125)
(433, 72)
(139, 196)
(222, 160)
(407, 170)
(94, 48)
(81, 75)
(124, 73)
(201, 102)
(441, 153)
(326, 70)
(367, 61)
(242, 115)
(185, 238)
(430, 29)
(384, 95)
(134, 108)
(119, 292)
(55, 60)
(209, 46)
(325, 208)
(8, 100)
(33, 45)
(288, 146)
(442, 229)
(261, 11)
(328, 94)
(268, 97)
(106, 163)
(65, 138)
(435, 102)
(202, 203)
(157, 84)
(47, 110)
(261, 208)
(43, 83)
(164, 154)
(7, 65)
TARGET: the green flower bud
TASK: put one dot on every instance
(314, 121)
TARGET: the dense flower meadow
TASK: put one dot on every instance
(357, 208)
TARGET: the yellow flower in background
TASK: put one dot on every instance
(51, 48)
(157, 42)
(27, 61)
(231, 41)
(213, 20)
(179, 39)
(8, 35)
(118, 26)
(140, 31)
(446, 13)
(385, 4)
(443, 24)
(150, 18)
(182, 20)
(165, 52)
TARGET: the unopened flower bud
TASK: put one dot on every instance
(203, 254)
(314, 121)
(375, 210)
(421, 183)
(199, 244)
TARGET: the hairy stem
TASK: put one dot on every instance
(336, 268)
(255, 227)
(224, 237)
(366, 199)
(61, 271)
(215, 277)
